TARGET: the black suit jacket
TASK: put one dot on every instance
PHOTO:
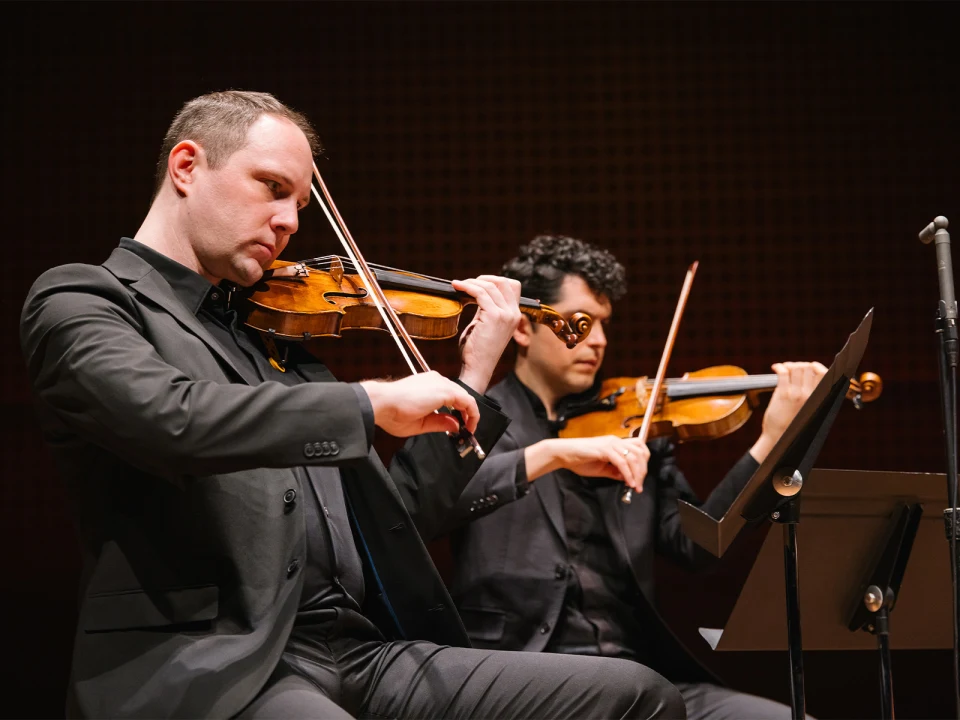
(510, 565)
(177, 466)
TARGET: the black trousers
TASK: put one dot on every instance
(323, 676)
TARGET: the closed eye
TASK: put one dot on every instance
(276, 189)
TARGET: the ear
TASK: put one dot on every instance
(182, 165)
(522, 336)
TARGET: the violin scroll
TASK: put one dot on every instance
(571, 331)
(864, 389)
(581, 324)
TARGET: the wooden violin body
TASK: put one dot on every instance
(702, 405)
(298, 305)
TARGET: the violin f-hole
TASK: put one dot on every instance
(359, 295)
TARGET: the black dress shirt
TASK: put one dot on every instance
(333, 576)
(597, 617)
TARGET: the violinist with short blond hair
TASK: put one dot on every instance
(246, 554)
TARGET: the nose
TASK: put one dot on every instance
(287, 220)
(597, 338)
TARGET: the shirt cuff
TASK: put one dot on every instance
(366, 411)
(477, 396)
(523, 485)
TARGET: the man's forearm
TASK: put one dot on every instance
(542, 458)
(762, 447)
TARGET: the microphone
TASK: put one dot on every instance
(946, 326)
(926, 235)
(937, 232)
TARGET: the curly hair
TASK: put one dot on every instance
(544, 262)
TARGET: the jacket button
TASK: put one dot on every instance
(308, 450)
(545, 628)
(325, 448)
(293, 567)
(560, 572)
(289, 497)
(334, 448)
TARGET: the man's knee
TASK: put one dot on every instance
(640, 692)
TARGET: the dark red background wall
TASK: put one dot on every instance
(795, 150)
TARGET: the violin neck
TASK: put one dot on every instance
(737, 385)
(389, 279)
(392, 280)
(529, 306)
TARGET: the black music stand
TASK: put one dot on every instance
(857, 528)
(773, 491)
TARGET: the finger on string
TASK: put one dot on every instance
(478, 291)
(508, 287)
(493, 290)
(783, 375)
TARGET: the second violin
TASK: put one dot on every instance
(702, 405)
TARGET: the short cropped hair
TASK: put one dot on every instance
(544, 262)
(220, 121)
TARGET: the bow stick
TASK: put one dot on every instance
(627, 497)
(390, 319)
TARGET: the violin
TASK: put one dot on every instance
(702, 405)
(324, 296)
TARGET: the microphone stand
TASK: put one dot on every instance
(946, 328)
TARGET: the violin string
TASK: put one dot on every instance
(400, 279)
(324, 262)
(353, 250)
(733, 381)
(693, 387)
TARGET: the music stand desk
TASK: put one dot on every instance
(845, 514)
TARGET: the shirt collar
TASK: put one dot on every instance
(190, 287)
(563, 404)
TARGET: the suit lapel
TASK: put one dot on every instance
(515, 405)
(547, 490)
(150, 284)
(616, 515)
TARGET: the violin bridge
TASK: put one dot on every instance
(336, 270)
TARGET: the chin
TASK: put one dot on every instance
(580, 382)
(247, 274)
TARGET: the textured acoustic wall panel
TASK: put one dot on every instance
(795, 150)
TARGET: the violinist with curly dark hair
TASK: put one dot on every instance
(547, 558)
